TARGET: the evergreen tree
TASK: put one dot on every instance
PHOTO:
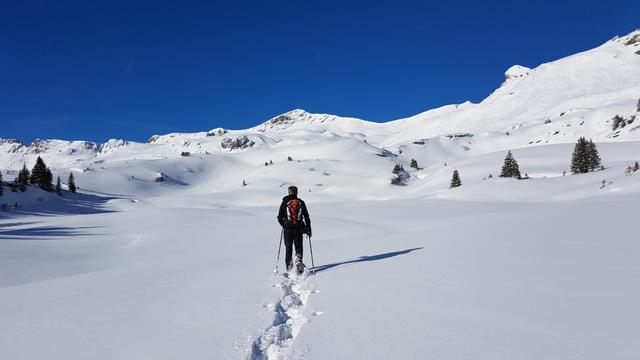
(636, 167)
(510, 167)
(23, 178)
(397, 168)
(58, 186)
(414, 164)
(585, 157)
(1, 184)
(47, 180)
(38, 173)
(593, 157)
(618, 121)
(580, 157)
(398, 180)
(71, 183)
(455, 180)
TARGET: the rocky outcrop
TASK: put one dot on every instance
(238, 142)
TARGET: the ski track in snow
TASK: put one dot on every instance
(289, 317)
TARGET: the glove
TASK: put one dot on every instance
(309, 232)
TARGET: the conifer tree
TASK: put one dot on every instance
(580, 157)
(397, 168)
(23, 178)
(510, 167)
(593, 157)
(455, 180)
(58, 186)
(71, 183)
(414, 164)
(585, 157)
(47, 180)
(38, 173)
(617, 121)
(1, 184)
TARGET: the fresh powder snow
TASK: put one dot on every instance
(167, 250)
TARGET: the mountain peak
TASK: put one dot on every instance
(516, 71)
(290, 118)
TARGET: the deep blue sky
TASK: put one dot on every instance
(96, 70)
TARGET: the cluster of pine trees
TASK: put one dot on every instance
(633, 169)
(400, 175)
(41, 177)
(510, 168)
(585, 157)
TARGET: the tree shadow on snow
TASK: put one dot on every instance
(69, 204)
(382, 256)
(38, 232)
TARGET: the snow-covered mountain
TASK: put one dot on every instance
(165, 254)
(553, 103)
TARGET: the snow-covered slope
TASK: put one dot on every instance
(554, 103)
(164, 254)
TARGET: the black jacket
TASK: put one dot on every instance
(282, 215)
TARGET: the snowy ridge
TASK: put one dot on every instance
(587, 88)
(333, 156)
(300, 119)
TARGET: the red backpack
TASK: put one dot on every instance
(294, 212)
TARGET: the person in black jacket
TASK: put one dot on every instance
(294, 219)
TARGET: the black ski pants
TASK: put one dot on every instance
(292, 237)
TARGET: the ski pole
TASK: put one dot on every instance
(279, 247)
(313, 265)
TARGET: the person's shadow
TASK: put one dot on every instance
(387, 255)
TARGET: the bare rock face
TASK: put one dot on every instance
(238, 142)
(631, 39)
(112, 144)
(153, 139)
(43, 146)
(291, 118)
(217, 132)
(11, 146)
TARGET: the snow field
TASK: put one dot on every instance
(543, 268)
